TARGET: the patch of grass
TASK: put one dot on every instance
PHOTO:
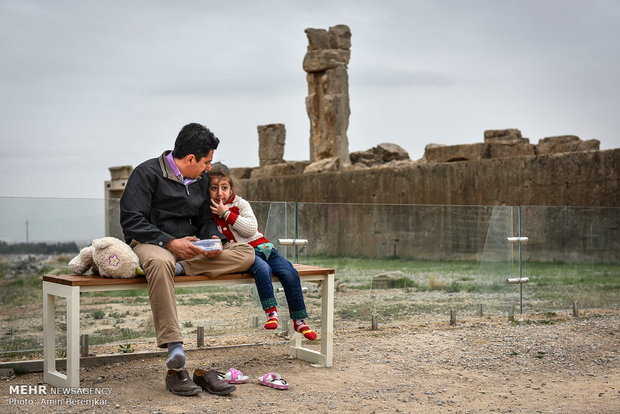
(118, 315)
(466, 279)
(97, 314)
(453, 287)
(21, 291)
(126, 349)
(536, 322)
(228, 299)
(399, 283)
(121, 334)
(358, 311)
(359, 265)
(551, 286)
(117, 293)
(18, 344)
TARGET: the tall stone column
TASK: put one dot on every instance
(327, 102)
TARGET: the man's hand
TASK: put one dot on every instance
(211, 253)
(184, 248)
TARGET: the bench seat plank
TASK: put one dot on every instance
(96, 280)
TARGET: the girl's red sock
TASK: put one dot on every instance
(302, 328)
(272, 318)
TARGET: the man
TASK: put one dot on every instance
(164, 208)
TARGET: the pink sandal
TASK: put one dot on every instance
(273, 380)
(233, 376)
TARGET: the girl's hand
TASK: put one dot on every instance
(217, 207)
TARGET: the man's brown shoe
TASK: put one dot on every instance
(179, 383)
(210, 382)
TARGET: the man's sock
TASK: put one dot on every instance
(179, 270)
(176, 355)
(272, 318)
(302, 328)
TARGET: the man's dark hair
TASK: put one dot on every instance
(194, 139)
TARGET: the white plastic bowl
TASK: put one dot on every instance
(209, 244)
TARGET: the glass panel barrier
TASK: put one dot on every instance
(497, 264)
(398, 261)
(573, 256)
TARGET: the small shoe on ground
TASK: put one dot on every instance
(178, 382)
(210, 382)
(273, 380)
(233, 376)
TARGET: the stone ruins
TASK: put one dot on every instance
(327, 102)
(327, 105)
(505, 143)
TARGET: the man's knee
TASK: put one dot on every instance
(158, 265)
(244, 253)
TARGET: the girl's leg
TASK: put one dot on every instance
(262, 277)
(288, 276)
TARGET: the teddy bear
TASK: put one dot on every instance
(108, 257)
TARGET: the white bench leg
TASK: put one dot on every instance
(50, 374)
(325, 357)
(327, 320)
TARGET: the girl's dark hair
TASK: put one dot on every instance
(221, 170)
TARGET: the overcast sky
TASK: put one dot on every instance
(86, 85)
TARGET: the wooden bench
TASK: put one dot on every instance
(70, 287)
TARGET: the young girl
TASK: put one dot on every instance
(236, 220)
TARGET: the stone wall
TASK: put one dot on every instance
(588, 178)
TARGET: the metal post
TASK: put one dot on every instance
(520, 261)
(480, 309)
(284, 323)
(374, 323)
(84, 345)
(575, 309)
(511, 314)
(200, 336)
(296, 231)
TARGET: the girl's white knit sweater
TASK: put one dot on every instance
(239, 223)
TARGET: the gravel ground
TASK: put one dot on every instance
(551, 363)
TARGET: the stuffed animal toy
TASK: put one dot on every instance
(109, 257)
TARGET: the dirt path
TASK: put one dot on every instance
(542, 364)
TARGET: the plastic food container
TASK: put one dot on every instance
(209, 244)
